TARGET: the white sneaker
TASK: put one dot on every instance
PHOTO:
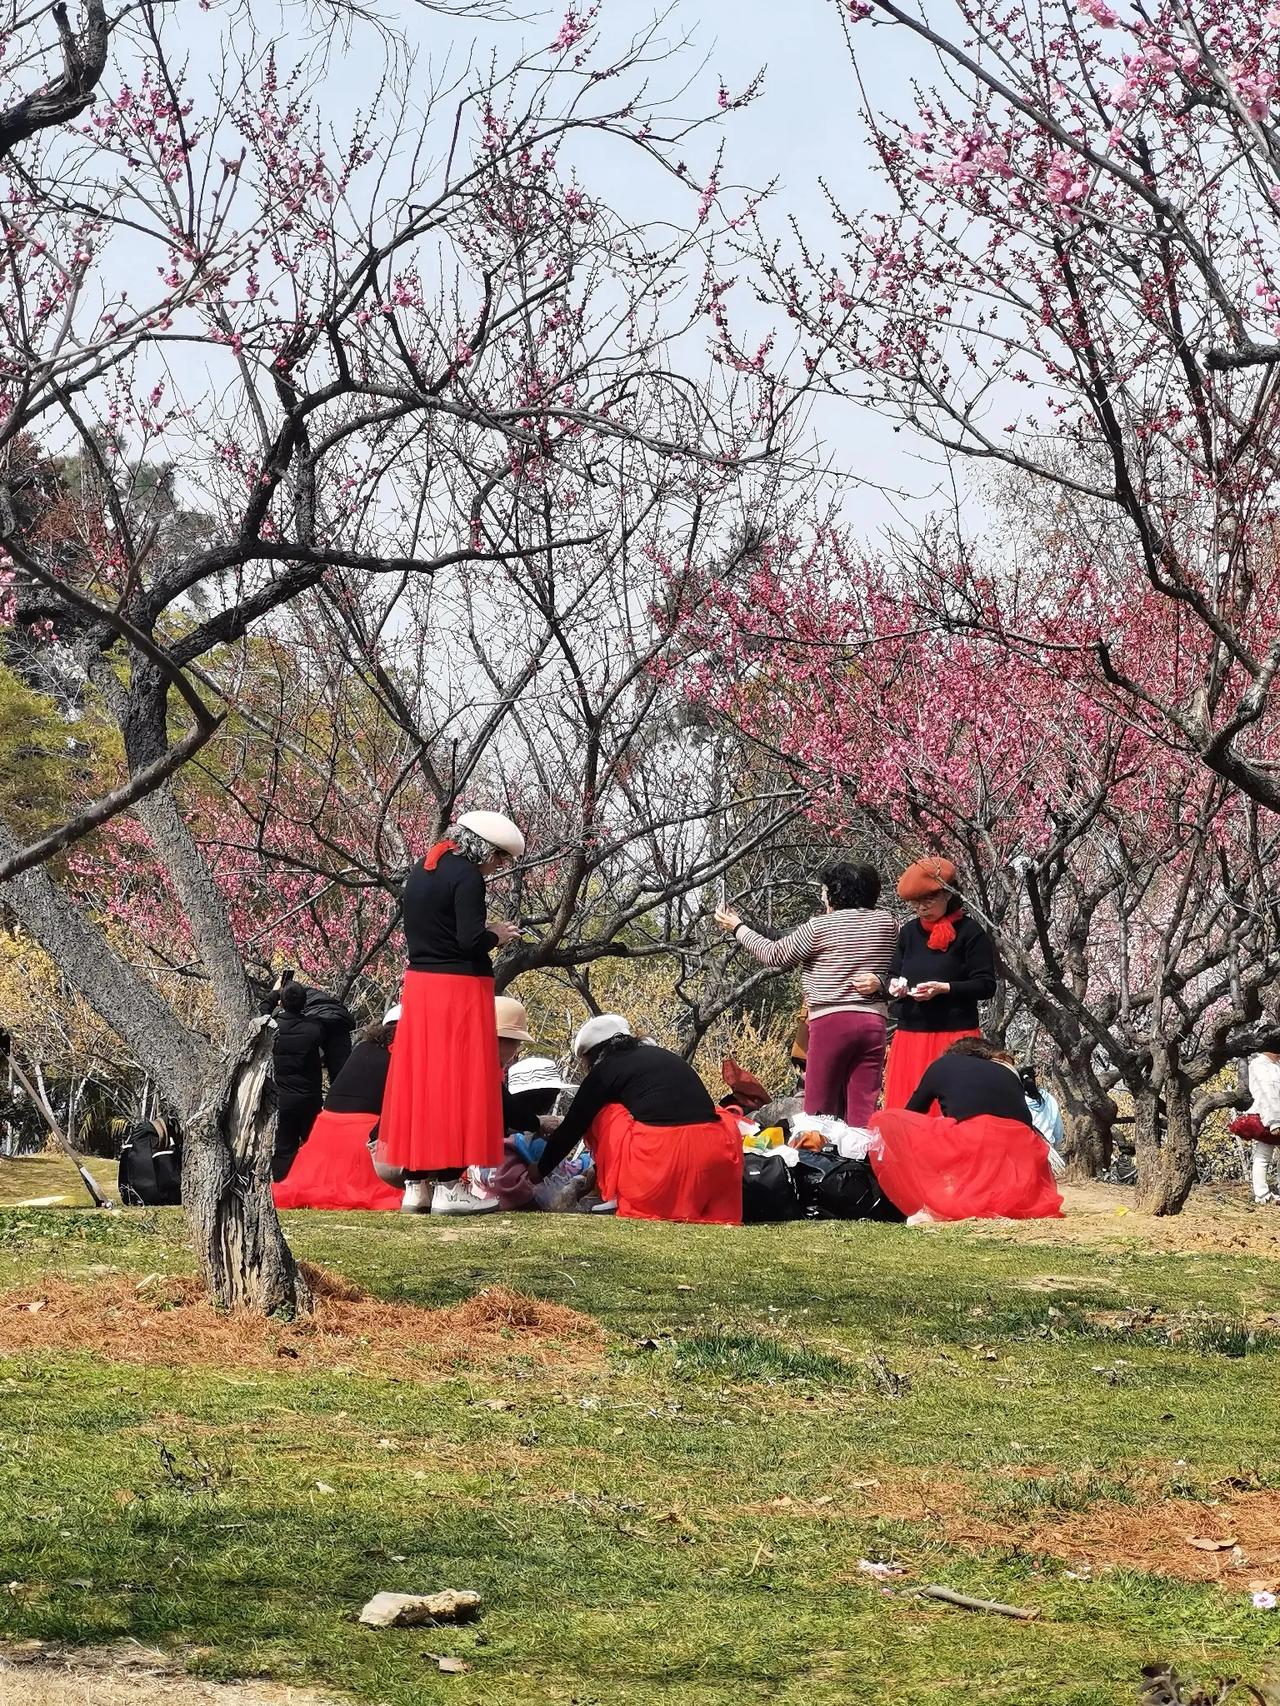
(459, 1198)
(417, 1197)
(610, 1207)
(1267, 1197)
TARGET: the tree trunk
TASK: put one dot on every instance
(1087, 1130)
(240, 1247)
(1166, 1160)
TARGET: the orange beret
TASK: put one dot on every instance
(926, 877)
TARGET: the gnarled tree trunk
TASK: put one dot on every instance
(1088, 1134)
(1164, 1139)
(239, 1245)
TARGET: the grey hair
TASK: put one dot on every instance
(470, 845)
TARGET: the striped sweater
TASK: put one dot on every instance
(831, 950)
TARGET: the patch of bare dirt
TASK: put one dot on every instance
(34, 1674)
(1233, 1541)
(1216, 1220)
(165, 1321)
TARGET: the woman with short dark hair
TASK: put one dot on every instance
(843, 954)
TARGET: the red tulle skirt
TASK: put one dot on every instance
(910, 1054)
(334, 1169)
(976, 1169)
(442, 1110)
(666, 1172)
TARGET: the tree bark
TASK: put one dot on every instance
(163, 1046)
(1088, 1146)
(1166, 1161)
(240, 1247)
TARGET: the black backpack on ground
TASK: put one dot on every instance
(768, 1189)
(150, 1173)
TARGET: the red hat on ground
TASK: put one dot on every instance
(926, 877)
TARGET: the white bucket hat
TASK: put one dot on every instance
(497, 830)
(599, 1030)
(536, 1073)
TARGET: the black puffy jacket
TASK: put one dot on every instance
(296, 1053)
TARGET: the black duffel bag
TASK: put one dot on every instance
(851, 1191)
(768, 1189)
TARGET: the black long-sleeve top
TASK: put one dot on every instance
(964, 1086)
(360, 1086)
(655, 1086)
(968, 965)
(444, 918)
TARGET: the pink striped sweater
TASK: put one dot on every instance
(831, 950)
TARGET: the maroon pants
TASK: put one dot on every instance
(846, 1056)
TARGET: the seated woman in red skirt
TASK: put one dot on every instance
(334, 1168)
(663, 1150)
(964, 1146)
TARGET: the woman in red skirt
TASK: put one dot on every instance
(334, 1168)
(964, 1146)
(443, 1107)
(662, 1149)
(942, 967)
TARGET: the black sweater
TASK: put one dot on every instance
(359, 1087)
(655, 1086)
(968, 965)
(444, 919)
(963, 1086)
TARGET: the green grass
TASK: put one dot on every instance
(682, 1521)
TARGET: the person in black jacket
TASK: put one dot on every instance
(296, 1054)
(663, 1150)
(443, 1107)
(943, 966)
(332, 1015)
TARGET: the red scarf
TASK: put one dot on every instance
(436, 853)
(943, 933)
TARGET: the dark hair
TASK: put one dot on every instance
(532, 1104)
(622, 1043)
(293, 998)
(851, 885)
(381, 1035)
(979, 1048)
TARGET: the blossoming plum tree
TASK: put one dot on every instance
(1077, 277)
(322, 329)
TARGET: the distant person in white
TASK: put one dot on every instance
(1264, 1087)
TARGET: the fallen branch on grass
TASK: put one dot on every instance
(949, 1597)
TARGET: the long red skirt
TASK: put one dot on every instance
(910, 1054)
(334, 1169)
(442, 1110)
(669, 1172)
(976, 1169)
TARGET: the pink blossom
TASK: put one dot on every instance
(1065, 183)
(1123, 96)
(1100, 12)
(1255, 94)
